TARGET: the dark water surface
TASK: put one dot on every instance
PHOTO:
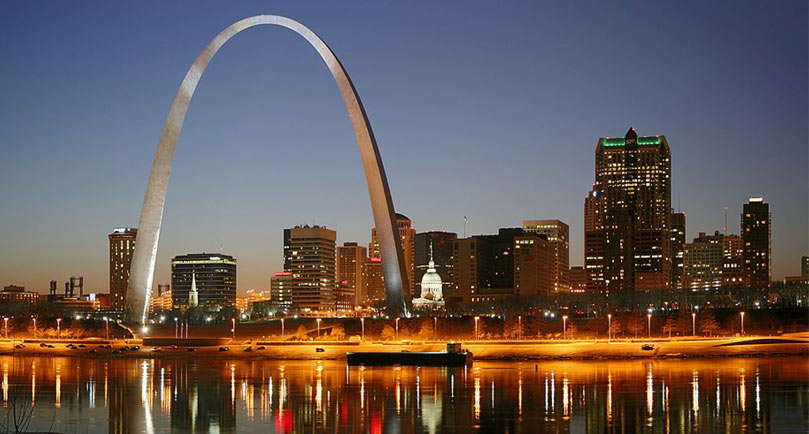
(73, 395)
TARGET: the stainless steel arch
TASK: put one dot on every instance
(143, 260)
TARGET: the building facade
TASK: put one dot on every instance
(375, 281)
(442, 245)
(627, 215)
(407, 236)
(733, 262)
(281, 292)
(214, 276)
(756, 248)
(558, 234)
(578, 279)
(310, 257)
(703, 261)
(13, 293)
(483, 266)
(677, 249)
(534, 266)
(351, 273)
(122, 246)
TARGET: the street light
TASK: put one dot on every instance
(397, 328)
(58, 328)
(35, 326)
(362, 322)
(649, 324)
(176, 328)
(107, 328)
(609, 327)
(5, 327)
(435, 328)
(282, 329)
(519, 327)
(564, 326)
(693, 324)
(318, 328)
(233, 328)
(742, 313)
(477, 318)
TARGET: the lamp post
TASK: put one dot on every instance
(435, 328)
(58, 328)
(35, 326)
(609, 327)
(233, 328)
(693, 324)
(362, 322)
(649, 324)
(318, 328)
(564, 326)
(107, 328)
(742, 314)
(477, 318)
(519, 327)
(282, 329)
(397, 328)
(176, 329)
(5, 327)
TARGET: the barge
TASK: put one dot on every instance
(453, 356)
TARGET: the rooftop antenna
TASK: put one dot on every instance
(465, 221)
(725, 227)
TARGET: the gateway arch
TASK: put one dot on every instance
(151, 218)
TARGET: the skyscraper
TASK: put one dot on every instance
(703, 261)
(732, 264)
(309, 254)
(756, 247)
(351, 272)
(281, 291)
(558, 234)
(122, 245)
(213, 274)
(534, 265)
(375, 286)
(441, 243)
(805, 266)
(627, 214)
(407, 235)
(483, 266)
(677, 253)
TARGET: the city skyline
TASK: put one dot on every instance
(70, 240)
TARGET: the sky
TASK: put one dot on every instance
(480, 109)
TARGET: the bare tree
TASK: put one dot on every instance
(670, 326)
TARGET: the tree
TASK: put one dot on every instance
(708, 324)
(670, 326)
(635, 323)
(615, 327)
(426, 331)
(511, 329)
(338, 332)
(684, 325)
(388, 332)
(302, 333)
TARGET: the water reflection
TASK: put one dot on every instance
(179, 395)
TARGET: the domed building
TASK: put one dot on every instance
(432, 296)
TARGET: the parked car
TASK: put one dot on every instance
(261, 348)
(224, 349)
(248, 350)
(43, 345)
(319, 350)
(19, 346)
(191, 350)
(647, 347)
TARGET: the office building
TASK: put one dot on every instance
(534, 266)
(407, 237)
(558, 234)
(733, 262)
(14, 293)
(578, 279)
(310, 257)
(281, 292)
(677, 240)
(805, 266)
(375, 281)
(212, 275)
(122, 246)
(703, 261)
(351, 272)
(483, 266)
(627, 228)
(442, 244)
(756, 248)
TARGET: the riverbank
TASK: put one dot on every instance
(751, 346)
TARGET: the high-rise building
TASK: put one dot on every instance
(407, 236)
(677, 245)
(375, 281)
(627, 214)
(578, 279)
(534, 266)
(805, 266)
(122, 245)
(213, 275)
(309, 254)
(281, 291)
(442, 244)
(756, 248)
(703, 261)
(351, 272)
(732, 265)
(483, 266)
(558, 233)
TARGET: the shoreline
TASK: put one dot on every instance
(750, 346)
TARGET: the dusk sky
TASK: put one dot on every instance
(479, 110)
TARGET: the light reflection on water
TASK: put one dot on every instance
(182, 395)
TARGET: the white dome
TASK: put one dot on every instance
(431, 277)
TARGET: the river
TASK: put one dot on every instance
(97, 395)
